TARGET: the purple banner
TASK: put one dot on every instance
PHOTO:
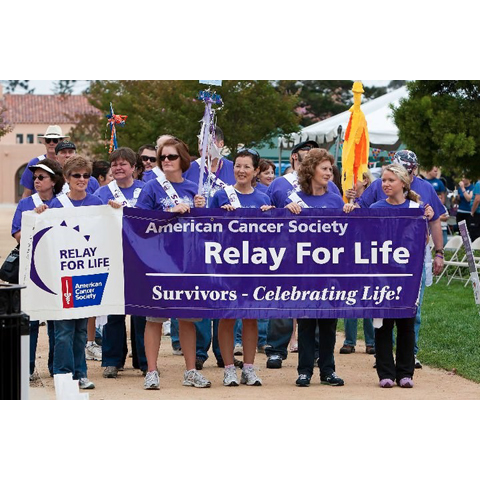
(252, 264)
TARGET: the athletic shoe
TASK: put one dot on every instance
(262, 349)
(110, 372)
(406, 382)
(93, 352)
(417, 363)
(177, 351)
(303, 380)
(199, 363)
(274, 361)
(333, 380)
(192, 378)
(249, 377)
(237, 363)
(238, 350)
(166, 328)
(86, 384)
(230, 378)
(152, 381)
(370, 349)
(347, 349)
(386, 383)
(220, 364)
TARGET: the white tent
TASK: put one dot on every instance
(381, 129)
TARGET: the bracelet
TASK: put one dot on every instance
(439, 256)
(440, 250)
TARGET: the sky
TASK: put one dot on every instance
(44, 87)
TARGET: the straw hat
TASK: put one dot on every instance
(54, 131)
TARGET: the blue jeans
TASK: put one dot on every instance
(34, 326)
(114, 342)
(418, 317)
(351, 325)
(262, 332)
(70, 340)
(205, 338)
(174, 336)
(278, 336)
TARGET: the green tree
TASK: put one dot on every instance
(254, 112)
(5, 127)
(12, 85)
(440, 122)
(63, 87)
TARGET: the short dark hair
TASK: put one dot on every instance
(182, 150)
(147, 146)
(100, 167)
(247, 152)
(126, 153)
(265, 164)
(58, 177)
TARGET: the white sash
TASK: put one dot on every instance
(213, 179)
(169, 190)
(296, 199)
(65, 188)
(118, 195)
(37, 200)
(292, 179)
(232, 196)
(158, 172)
(65, 201)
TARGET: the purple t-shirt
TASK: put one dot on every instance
(131, 193)
(374, 193)
(281, 188)
(385, 204)
(249, 200)
(154, 197)
(327, 200)
(88, 201)
(148, 175)
(261, 187)
(224, 173)
(25, 205)
(27, 177)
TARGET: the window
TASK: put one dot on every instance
(39, 140)
(19, 137)
(29, 137)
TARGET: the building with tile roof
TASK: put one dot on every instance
(30, 115)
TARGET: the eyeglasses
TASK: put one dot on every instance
(170, 157)
(144, 158)
(40, 177)
(54, 140)
(80, 175)
(249, 150)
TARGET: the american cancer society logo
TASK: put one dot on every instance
(82, 266)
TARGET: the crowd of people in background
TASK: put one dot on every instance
(63, 178)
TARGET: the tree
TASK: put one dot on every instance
(440, 122)
(12, 85)
(254, 112)
(63, 87)
(5, 127)
(321, 99)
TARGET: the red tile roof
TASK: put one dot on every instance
(48, 109)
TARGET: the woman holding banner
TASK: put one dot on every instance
(171, 193)
(48, 182)
(71, 335)
(241, 195)
(396, 186)
(313, 176)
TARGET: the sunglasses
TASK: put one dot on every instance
(40, 177)
(49, 140)
(249, 150)
(144, 158)
(170, 157)
(80, 175)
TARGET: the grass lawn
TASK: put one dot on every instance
(450, 331)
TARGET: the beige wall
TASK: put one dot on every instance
(13, 155)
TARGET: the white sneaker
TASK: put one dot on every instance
(86, 384)
(249, 377)
(152, 381)
(93, 351)
(230, 378)
(193, 378)
(177, 351)
(166, 328)
(238, 350)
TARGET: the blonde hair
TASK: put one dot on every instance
(401, 173)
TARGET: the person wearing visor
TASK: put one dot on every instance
(48, 181)
(50, 140)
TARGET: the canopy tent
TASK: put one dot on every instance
(381, 129)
